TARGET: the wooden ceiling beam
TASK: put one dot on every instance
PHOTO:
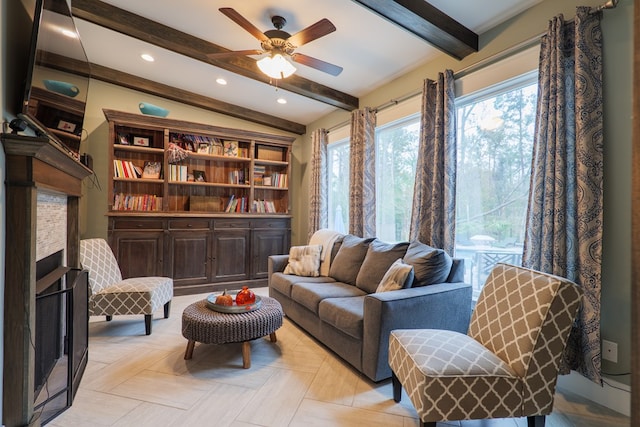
(152, 32)
(140, 84)
(428, 23)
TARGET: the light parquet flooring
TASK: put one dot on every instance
(137, 380)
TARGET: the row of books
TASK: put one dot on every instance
(276, 180)
(137, 202)
(208, 145)
(178, 173)
(236, 204)
(239, 176)
(264, 206)
(125, 169)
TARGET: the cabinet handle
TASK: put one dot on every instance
(139, 225)
(189, 226)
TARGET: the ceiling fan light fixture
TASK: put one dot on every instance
(276, 66)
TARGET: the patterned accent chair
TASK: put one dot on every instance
(507, 363)
(109, 295)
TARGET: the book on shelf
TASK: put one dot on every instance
(230, 148)
(239, 176)
(236, 204)
(136, 202)
(126, 169)
(264, 206)
(178, 173)
(152, 170)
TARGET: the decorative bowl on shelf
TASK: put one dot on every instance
(234, 308)
(152, 110)
(63, 88)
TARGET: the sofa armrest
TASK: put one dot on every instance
(438, 306)
(276, 264)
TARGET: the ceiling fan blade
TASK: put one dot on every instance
(312, 32)
(240, 20)
(235, 53)
(318, 64)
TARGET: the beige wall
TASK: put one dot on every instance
(617, 34)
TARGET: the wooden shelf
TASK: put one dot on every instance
(225, 176)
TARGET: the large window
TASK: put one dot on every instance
(495, 140)
(396, 158)
(338, 197)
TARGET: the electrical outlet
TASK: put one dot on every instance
(610, 351)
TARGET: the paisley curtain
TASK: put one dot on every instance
(564, 218)
(433, 211)
(362, 173)
(318, 190)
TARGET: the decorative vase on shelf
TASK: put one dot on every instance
(63, 88)
(152, 110)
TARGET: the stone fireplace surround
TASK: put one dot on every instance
(43, 187)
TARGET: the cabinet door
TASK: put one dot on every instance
(263, 244)
(189, 257)
(139, 253)
(230, 255)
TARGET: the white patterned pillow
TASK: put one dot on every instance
(396, 277)
(304, 261)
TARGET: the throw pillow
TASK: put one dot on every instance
(304, 261)
(346, 264)
(430, 265)
(398, 276)
(379, 258)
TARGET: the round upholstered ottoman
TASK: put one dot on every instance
(204, 325)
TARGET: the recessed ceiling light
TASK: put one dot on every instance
(221, 81)
(281, 101)
(147, 57)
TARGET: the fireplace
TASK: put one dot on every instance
(61, 335)
(45, 292)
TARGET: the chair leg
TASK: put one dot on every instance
(167, 309)
(397, 387)
(109, 318)
(535, 421)
(147, 324)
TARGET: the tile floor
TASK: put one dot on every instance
(137, 380)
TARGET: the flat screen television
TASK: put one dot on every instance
(57, 78)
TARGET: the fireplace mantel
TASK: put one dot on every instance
(32, 163)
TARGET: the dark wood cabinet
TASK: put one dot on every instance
(202, 253)
(231, 255)
(265, 242)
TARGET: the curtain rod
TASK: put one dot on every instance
(490, 60)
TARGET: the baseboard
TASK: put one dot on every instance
(613, 394)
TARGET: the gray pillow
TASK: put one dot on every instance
(379, 258)
(346, 264)
(430, 265)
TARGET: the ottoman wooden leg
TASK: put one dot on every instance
(272, 337)
(189, 352)
(246, 355)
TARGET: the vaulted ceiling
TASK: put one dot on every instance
(375, 41)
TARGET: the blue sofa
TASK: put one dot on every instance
(353, 320)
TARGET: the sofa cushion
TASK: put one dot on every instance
(344, 314)
(309, 295)
(398, 276)
(283, 282)
(377, 261)
(346, 264)
(430, 265)
(304, 260)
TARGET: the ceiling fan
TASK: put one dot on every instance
(280, 44)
